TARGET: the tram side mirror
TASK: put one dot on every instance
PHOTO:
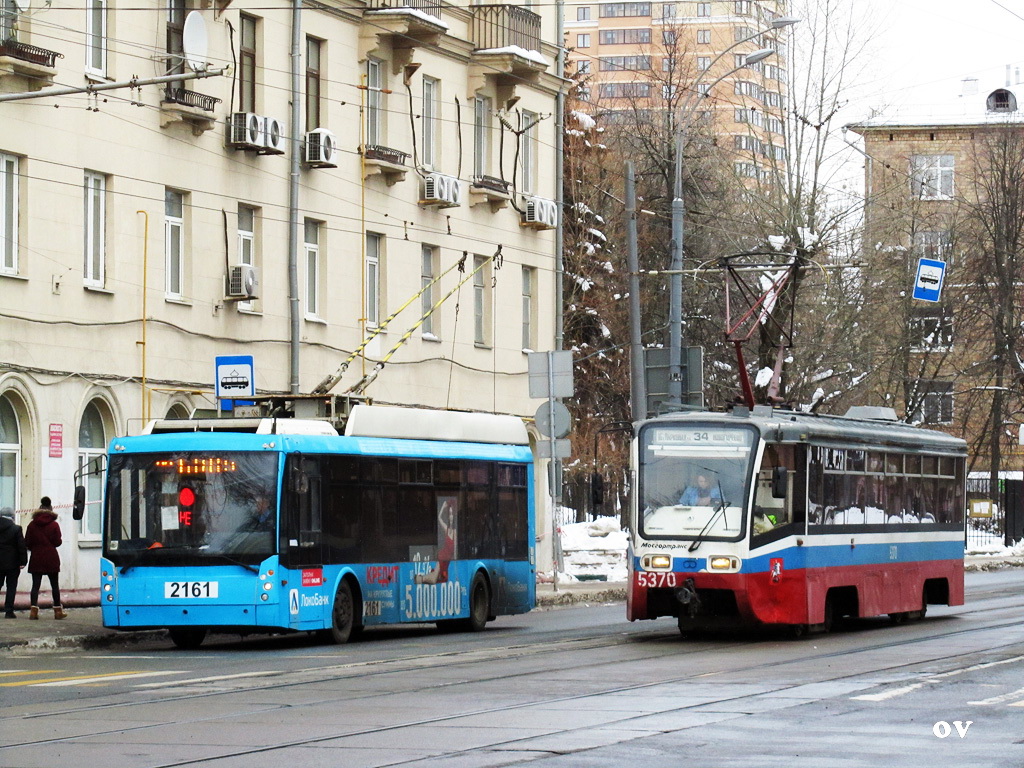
(78, 508)
(597, 489)
(779, 484)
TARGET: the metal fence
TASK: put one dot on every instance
(995, 516)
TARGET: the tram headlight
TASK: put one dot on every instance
(656, 562)
(723, 563)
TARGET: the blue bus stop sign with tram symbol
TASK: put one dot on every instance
(234, 377)
(930, 276)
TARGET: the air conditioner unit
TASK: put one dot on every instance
(245, 130)
(273, 137)
(441, 190)
(540, 213)
(243, 282)
(320, 147)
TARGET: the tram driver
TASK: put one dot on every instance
(700, 493)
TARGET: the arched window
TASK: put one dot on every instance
(178, 411)
(92, 441)
(10, 455)
(1001, 100)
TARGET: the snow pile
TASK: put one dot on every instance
(990, 557)
(594, 551)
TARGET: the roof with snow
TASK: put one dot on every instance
(1002, 106)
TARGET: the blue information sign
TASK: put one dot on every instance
(235, 377)
(930, 275)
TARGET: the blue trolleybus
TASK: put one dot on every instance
(771, 517)
(285, 525)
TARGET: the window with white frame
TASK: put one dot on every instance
(703, 63)
(8, 20)
(703, 10)
(374, 101)
(95, 229)
(930, 329)
(246, 242)
(428, 273)
(311, 245)
(8, 214)
(931, 176)
(930, 402)
(374, 253)
(668, 11)
(528, 149)
(669, 37)
(96, 37)
(583, 41)
(10, 455)
(742, 7)
(703, 88)
(703, 36)
(529, 323)
(431, 89)
(932, 244)
(583, 66)
(481, 135)
(174, 243)
(92, 442)
(481, 301)
(583, 13)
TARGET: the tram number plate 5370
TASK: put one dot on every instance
(655, 580)
(189, 589)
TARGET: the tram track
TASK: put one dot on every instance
(505, 654)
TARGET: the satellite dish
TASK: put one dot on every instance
(194, 41)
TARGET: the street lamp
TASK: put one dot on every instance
(675, 318)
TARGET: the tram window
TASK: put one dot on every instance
(854, 461)
(913, 465)
(894, 463)
(930, 465)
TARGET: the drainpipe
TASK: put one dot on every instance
(293, 199)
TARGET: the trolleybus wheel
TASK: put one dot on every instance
(343, 615)
(186, 638)
(479, 605)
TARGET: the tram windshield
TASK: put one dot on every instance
(188, 508)
(694, 480)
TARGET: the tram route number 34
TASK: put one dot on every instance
(656, 580)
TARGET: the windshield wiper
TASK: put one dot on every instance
(233, 561)
(719, 510)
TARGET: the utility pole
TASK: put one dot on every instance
(638, 389)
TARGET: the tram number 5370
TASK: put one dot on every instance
(656, 580)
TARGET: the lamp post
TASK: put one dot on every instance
(675, 318)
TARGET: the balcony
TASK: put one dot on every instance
(490, 189)
(388, 162)
(409, 25)
(24, 67)
(194, 109)
(506, 42)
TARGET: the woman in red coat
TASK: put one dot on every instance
(42, 537)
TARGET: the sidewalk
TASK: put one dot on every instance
(83, 628)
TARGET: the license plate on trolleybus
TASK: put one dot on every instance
(189, 589)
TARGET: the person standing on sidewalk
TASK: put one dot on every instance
(13, 557)
(42, 537)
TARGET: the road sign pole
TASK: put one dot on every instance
(553, 475)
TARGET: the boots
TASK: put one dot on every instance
(33, 612)
(59, 612)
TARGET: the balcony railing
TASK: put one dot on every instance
(491, 184)
(499, 26)
(29, 53)
(430, 7)
(189, 98)
(385, 154)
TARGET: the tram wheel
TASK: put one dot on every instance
(899, 618)
(343, 615)
(831, 614)
(479, 605)
(186, 638)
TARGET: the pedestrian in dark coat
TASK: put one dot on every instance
(42, 537)
(13, 557)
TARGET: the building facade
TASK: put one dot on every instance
(687, 59)
(943, 187)
(201, 179)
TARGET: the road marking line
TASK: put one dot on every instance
(929, 679)
(214, 679)
(13, 672)
(890, 694)
(1000, 699)
(83, 679)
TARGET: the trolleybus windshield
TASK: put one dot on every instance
(188, 508)
(694, 480)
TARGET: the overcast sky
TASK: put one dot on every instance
(926, 47)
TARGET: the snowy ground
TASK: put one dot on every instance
(596, 551)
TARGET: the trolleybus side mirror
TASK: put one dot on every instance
(779, 484)
(597, 489)
(298, 480)
(78, 508)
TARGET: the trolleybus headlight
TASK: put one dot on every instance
(107, 587)
(268, 586)
(264, 596)
(722, 563)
